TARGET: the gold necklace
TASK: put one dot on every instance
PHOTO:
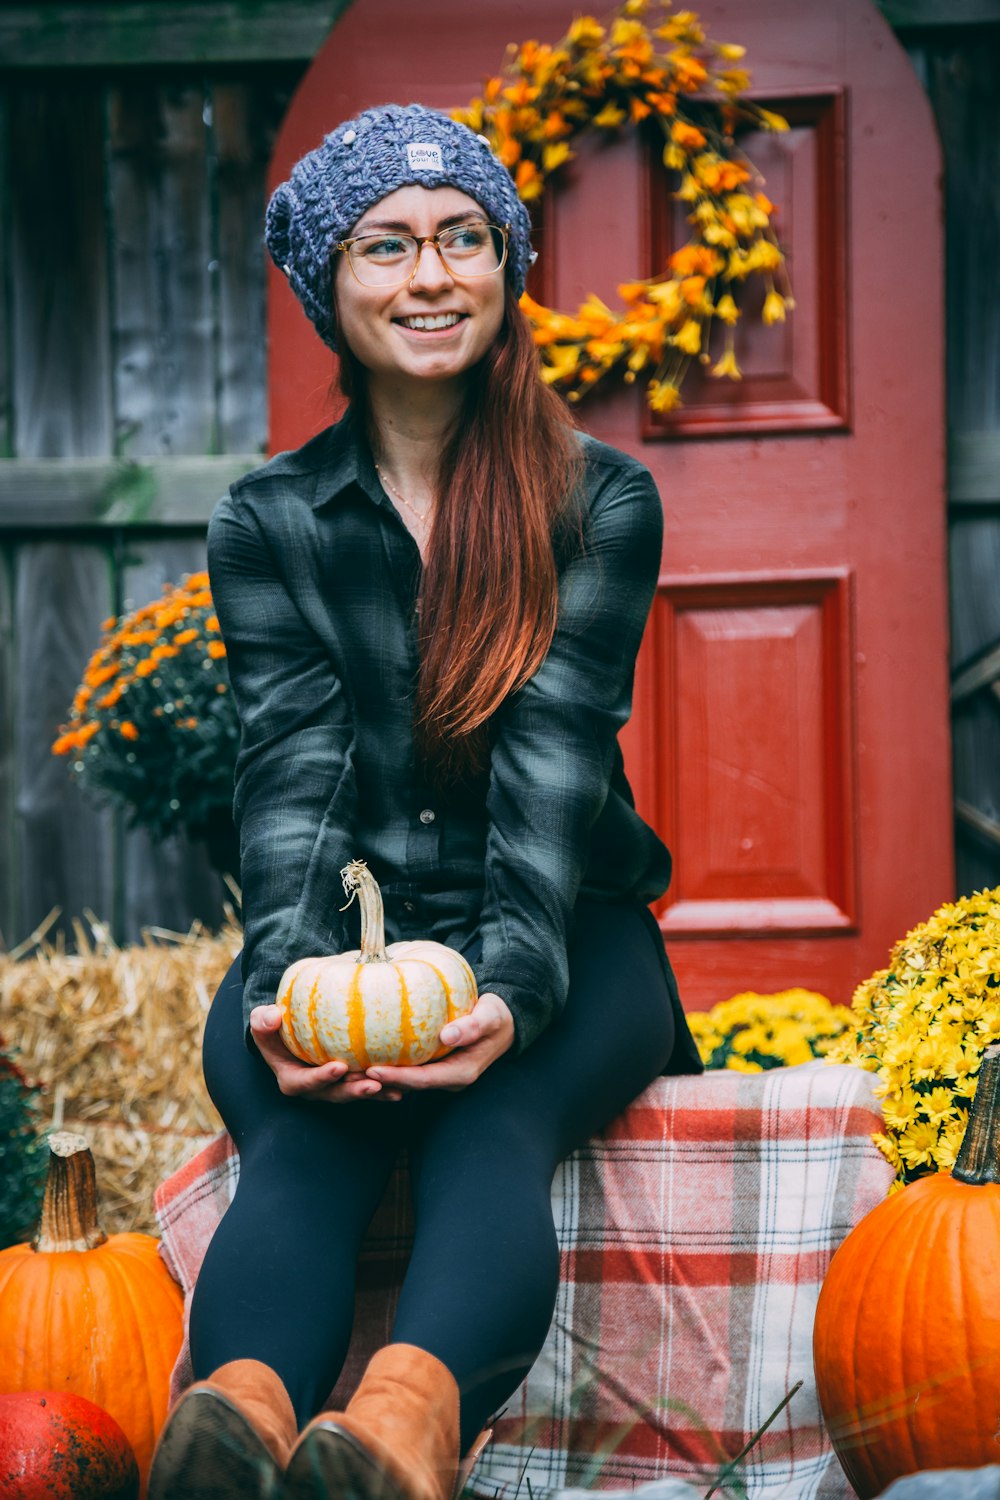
(420, 515)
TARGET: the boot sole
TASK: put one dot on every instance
(209, 1451)
(331, 1464)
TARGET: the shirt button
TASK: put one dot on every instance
(409, 906)
(427, 816)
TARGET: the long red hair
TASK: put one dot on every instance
(489, 596)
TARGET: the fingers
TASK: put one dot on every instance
(331, 1082)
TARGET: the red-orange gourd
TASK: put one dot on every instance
(88, 1314)
(907, 1335)
(54, 1446)
(374, 1004)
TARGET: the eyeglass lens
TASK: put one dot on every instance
(474, 249)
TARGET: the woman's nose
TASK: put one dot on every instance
(430, 271)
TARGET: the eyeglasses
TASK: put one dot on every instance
(466, 250)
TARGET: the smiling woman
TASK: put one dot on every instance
(431, 614)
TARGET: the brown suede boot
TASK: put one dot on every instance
(230, 1435)
(397, 1440)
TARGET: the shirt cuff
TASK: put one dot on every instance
(527, 993)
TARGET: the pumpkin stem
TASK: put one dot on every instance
(69, 1208)
(360, 882)
(978, 1160)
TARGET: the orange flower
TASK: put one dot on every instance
(86, 732)
(64, 744)
(127, 730)
(145, 668)
(695, 260)
(110, 699)
(216, 650)
(193, 582)
(185, 636)
(97, 676)
(688, 136)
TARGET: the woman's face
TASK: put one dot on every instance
(437, 325)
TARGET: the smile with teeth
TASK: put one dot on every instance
(431, 321)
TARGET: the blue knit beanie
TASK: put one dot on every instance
(356, 166)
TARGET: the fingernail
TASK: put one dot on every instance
(450, 1034)
(374, 1073)
(370, 1088)
(269, 1014)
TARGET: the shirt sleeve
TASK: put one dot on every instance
(295, 800)
(554, 748)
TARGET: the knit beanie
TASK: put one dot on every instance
(356, 166)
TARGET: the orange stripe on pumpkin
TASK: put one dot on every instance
(407, 1035)
(311, 1008)
(356, 1020)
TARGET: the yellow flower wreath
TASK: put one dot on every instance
(602, 77)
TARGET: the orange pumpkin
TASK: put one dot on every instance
(86, 1313)
(374, 1004)
(907, 1335)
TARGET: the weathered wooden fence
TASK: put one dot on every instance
(132, 388)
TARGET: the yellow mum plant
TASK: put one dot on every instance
(922, 1025)
(752, 1032)
(657, 69)
(153, 726)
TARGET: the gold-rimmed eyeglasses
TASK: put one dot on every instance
(390, 259)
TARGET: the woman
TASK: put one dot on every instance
(432, 612)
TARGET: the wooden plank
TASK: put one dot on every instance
(976, 753)
(66, 844)
(39, 494)
(6, 291)
(170, 884)
(111, 35)
(246, 116)
(61, 357)
(164, 373)
(8, 843)
(974, 468)
(909, 14)
(979, 675)
(960, 77)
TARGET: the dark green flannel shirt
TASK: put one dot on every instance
(315, 581)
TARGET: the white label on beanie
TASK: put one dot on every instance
(424, 156)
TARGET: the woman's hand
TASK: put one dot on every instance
(479, 1038)
(298, 1080)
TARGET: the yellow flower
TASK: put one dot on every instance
(553, 156)
(610, 117)
(917, 1142)
(726, 309)
(727, 368)
(770, 121)
(688, 337)
(663, 395)
(127, 730)
(774, 308)
(585, 32)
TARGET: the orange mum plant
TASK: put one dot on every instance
(655, 68)
(153, 726)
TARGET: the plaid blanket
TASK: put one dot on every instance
(695, 1233)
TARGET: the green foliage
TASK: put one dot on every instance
(23, 1158)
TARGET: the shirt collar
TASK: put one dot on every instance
(347, 463)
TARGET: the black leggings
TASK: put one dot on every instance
(278, 1281)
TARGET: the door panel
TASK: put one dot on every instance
(790, 735)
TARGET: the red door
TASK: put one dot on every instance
(790, 736)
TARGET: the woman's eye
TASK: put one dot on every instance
(467, 237)
(383, 247)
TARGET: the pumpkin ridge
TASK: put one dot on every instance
(312, 1006)
(407, 1035)
(356, 1030)
(150, 1419)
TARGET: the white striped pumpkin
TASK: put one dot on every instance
(374, 1004)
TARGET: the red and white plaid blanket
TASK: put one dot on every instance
(695, 1233)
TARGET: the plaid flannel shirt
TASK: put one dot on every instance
(315, 581)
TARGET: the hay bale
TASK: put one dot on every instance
(113, 1038)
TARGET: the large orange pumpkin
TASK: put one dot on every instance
(374, 1004)
(86, 1313)
(907, 1334)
